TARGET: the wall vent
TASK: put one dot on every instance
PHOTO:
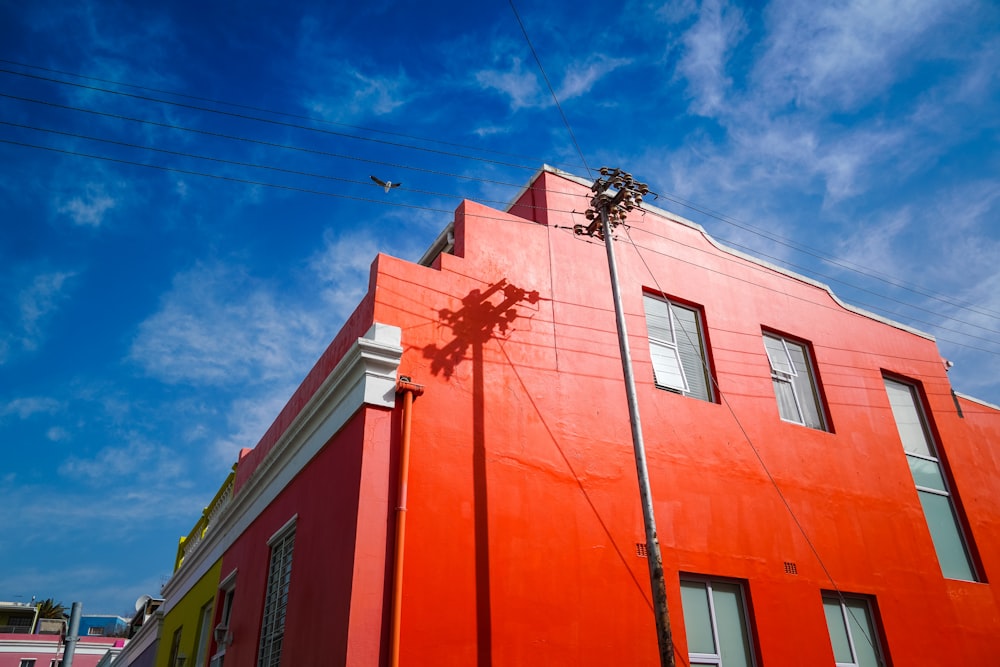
(640, 550)
(791, 568)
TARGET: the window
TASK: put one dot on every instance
(794, 384)
(96, 631)
(929, 478)
(279, 575)
(204, 631)
(27, 662)
(56, 663)
(715, 620)
(852, 631)
(175, 648)
(222, 634)
(677, 348)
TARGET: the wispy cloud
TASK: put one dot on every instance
(708, 46)
(219, 326)
(89, 208)
(26, 407)
(519, 82)
(30, 309)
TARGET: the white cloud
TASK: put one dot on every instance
(518, 83)
(219, 326)
(581, 77)
(707, 48)
(29, 406)
(838, 55)
(342, 267)
(57, 434)
(88, 209)
(33, 306)
(138, 459)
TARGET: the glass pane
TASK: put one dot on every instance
(862, 632)
(909, 421)
(787, 407)
(946, 535)
(697, 622)
(805, 388)
(926, 473)
(731, 625)
(690, 346)
(658, 319)
(667, 370)
(838, 631)
(777, 355)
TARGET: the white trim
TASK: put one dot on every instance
(229, 582)
(366, 375)
(285, 529)
(977, 400)
(742, 255)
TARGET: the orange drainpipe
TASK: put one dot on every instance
(409, 390)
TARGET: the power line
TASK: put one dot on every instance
(286, 114)
(541, 69)
(241, 164)
(760, 459)
(271, 121)
(260, 142)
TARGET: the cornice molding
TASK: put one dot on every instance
(365, 375)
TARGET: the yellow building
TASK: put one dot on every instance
(186, 632)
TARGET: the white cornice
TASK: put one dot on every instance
(737, 253)
(366, 375)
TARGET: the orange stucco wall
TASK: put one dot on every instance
(524, 514)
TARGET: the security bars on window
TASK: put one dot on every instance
(278, 577)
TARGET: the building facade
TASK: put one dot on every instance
(823, 496)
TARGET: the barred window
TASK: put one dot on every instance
(279, 575)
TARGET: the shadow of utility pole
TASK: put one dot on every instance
(473, 326)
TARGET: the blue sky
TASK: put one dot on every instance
(153, 320)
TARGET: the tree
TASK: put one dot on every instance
(49, 608)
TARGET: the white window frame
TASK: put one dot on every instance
(227, 591)
(716, 658)
(803, 383)
(931, 457)
(676, 377)
(279, 575)
(845, 615)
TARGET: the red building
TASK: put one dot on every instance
(822, 496)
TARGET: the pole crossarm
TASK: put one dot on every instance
(616, 194)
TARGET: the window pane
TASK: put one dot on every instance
(667, 370)
(838, 631)
(947, 538)
(787, 407)
(697, 620)
(778, 356)
(658, 319)
(690, 348)
(926, 473)
(908, 419)
(862, 632)
(805, 390)
(731, 624)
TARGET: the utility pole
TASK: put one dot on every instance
(615, 194)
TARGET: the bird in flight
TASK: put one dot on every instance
(386, 184)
